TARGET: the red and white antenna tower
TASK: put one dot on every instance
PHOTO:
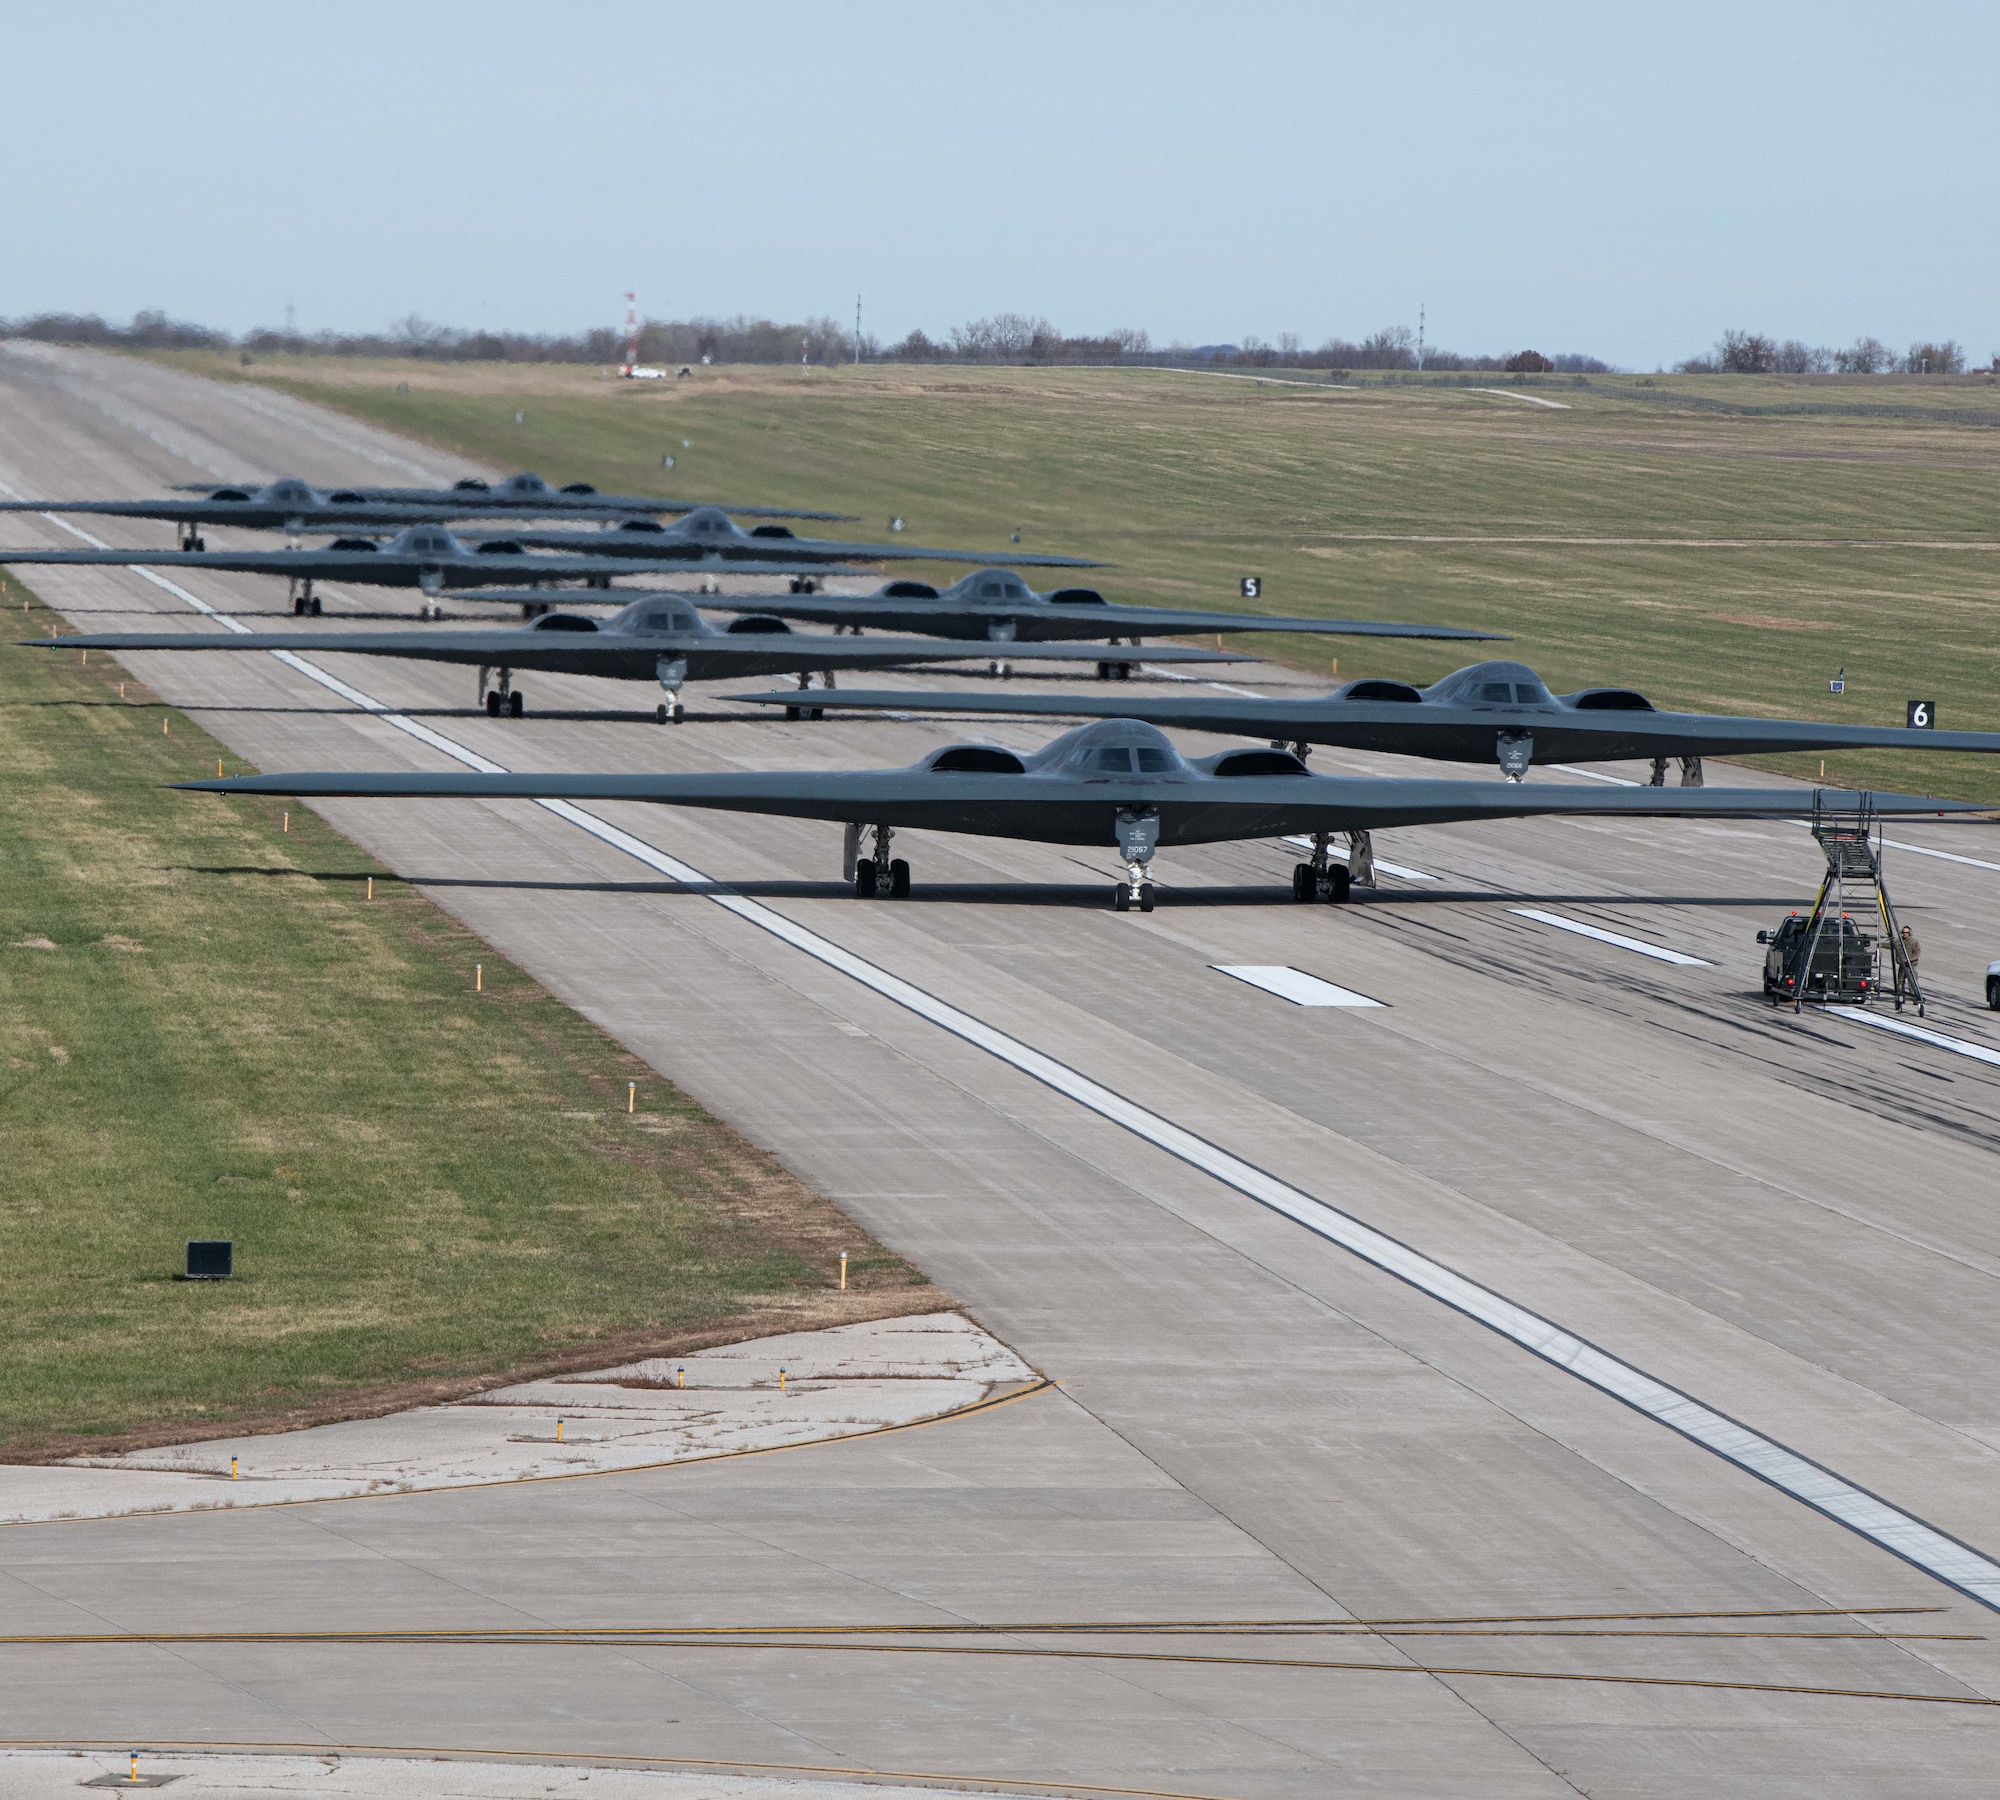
(631, 332)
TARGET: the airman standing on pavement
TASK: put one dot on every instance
(1912, 950)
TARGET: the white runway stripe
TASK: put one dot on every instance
(1387, 868)
(1294, 985)
(1658, 952)
(1886, 1022)
(1899, 1532)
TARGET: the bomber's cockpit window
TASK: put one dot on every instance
(1117, 759)
(664, 619)
(1494, 684)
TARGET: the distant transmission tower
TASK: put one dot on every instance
(1420, 338)
(631, 331)
(857, 329)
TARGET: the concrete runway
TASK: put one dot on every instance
(1788, 1218)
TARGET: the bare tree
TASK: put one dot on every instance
(1745, 353)
(1934, 359)
(1795, 358)
(1529, 362)
(1865, 356)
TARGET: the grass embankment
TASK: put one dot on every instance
(208, 1030)
(1638, 537)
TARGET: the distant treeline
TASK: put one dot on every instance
(1002, 338)
(1752, 353)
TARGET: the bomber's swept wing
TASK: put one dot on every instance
(1052, 619)
(1117, 782)
(1492, 712)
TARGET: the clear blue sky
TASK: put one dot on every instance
(1621, 180)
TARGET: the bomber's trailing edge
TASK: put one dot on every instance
(1115, 784)
(1491, 712)
(998, 606)
(653, 639)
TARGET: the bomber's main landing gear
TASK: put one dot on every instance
(504, 700)
(1322, 878)
(1690, 771)
(877, 877)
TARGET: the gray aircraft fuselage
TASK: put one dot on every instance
(995, 605)
(1491, 712)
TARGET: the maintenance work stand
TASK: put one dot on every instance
(1847, 829)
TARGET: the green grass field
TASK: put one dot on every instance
(207, 1029)
(1721, 543)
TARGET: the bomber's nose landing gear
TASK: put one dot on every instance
(1322, 878)
(672, 671)
(1138, 832)
(304, 600)
(193, 540)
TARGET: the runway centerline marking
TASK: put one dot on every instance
(1882, 1022)
(1294, 985)
(1639, 946)
(1901, 1533)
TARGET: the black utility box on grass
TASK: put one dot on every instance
(210, 1259)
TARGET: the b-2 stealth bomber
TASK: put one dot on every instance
(650, 640)
(425, 556)
(709, 533)
(996, 605)
(296, 507)
(528, 496)
(1116, 783)
(1491, 712)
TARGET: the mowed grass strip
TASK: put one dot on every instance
(1773, 549)
(207, 1030)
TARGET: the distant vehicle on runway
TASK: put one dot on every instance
(428, 557)
(526, 496)
(1116, 783)
(1491, 712)
(296, 507)
(650, 640)
(996, 605)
